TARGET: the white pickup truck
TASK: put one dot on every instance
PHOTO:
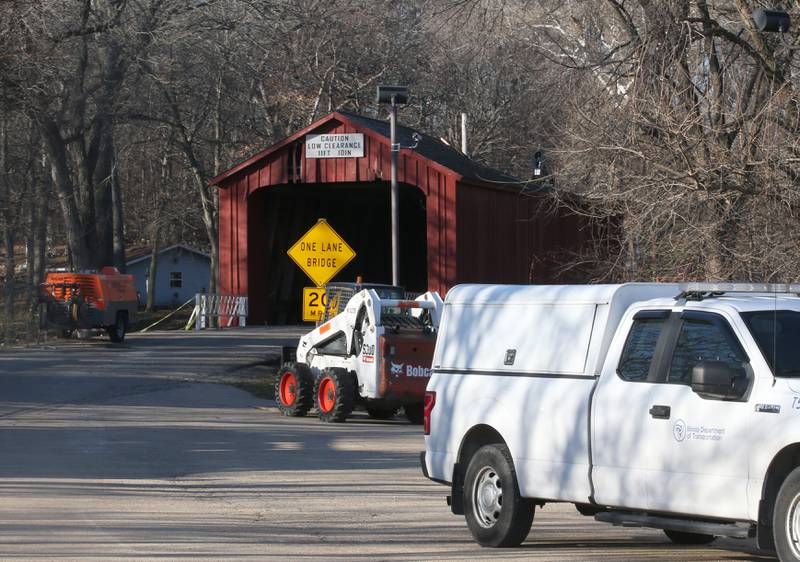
(656, 405)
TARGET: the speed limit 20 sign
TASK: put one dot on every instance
(314, 302)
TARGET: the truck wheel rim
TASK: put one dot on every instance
(327, 394)
(487, 497)
(288, 389)
(793, 526)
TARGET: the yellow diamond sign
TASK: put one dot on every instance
(321, 253)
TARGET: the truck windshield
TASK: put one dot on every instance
(777, 333)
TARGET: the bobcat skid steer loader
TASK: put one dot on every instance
(372, 348)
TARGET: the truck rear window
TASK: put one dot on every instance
(634, 365)
(777, 334)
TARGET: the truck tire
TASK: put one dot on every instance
(786, 518)
(496, 514)
(294, 389)
(335, 395)
(415, 413)
(381, 412)
(116, 333)
(683, 537)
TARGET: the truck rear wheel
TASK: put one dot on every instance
(496, 514)
(786, 518)
(116, 333)
(294, 389)
(683, 537)
(336, 395)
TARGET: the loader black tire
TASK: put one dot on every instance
(335, 395)
(382, 412)
(415, 413)
(294, 389)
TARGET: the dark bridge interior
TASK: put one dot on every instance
(359, 213)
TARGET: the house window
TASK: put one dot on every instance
(175, 280)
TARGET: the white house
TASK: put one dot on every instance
(181, 272)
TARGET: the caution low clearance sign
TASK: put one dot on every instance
(321, 253)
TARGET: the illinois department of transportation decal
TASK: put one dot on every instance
(682, 431)
(679, 430)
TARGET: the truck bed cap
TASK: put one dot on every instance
(562, 294)
(560, 329)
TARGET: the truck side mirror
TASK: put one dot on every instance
(717, 379)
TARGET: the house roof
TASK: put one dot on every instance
(429, 148)
(140, 254)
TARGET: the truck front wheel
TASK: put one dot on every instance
(786, 518)
(336, 395)
(496, 514)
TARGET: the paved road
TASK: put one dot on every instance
(124, 452)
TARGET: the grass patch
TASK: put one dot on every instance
(175, 322)
(262, 386)
(257, 379)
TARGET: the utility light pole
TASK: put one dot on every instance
(394, 95)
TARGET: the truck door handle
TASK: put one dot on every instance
(660, 412)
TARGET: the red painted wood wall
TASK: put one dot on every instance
(288, 165)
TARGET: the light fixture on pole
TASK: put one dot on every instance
(394, 95)
(771, 21)
(774, 21)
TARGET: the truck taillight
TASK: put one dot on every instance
(430, 402)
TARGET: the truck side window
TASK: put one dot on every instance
(777, 332)
(703, 340)
(640, 347)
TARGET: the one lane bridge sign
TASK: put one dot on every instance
(321, 253)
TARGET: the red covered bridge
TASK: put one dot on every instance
(459, 221)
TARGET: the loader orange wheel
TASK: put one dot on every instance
(336, 395)
(294, 389)
(327, 394)
(288, 388)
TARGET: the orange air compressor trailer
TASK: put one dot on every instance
(79, 301)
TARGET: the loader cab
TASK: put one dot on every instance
(337, 295)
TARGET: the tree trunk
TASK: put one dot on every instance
(30, 261)
(42, 211)
(119, 222)
(103, 198)
(79, 251)
(8, 237)
(109, 247)
(209, 215)
(8, 283)
(151, 274)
